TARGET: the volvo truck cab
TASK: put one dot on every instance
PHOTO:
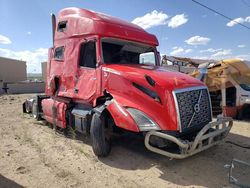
(104, 74)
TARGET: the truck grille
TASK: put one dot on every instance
(193, 107)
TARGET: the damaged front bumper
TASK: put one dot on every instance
(209, 135)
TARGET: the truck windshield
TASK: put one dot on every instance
(245, 87)
(126, 52)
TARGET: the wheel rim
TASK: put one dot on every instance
(34, 110)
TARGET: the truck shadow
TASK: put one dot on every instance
(7, 183)
(203, 169)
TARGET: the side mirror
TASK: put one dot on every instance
(158, 58)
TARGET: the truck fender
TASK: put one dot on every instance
(121, 116)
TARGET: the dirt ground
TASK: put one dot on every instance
(32, 155)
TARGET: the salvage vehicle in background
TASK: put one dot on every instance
(228, 82)
(104, 77)
(229, 85)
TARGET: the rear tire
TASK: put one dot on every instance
(100, 143)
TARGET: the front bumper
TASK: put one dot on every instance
(209, 135)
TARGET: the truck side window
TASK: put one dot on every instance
(59, 53)
(88, 55)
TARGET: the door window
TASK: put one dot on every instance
(88, 55)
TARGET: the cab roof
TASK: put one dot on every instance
(78, 22)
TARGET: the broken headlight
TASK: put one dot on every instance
(142, 120)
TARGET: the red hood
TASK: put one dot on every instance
(162, 76)
(118, 79)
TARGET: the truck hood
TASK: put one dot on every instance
(161, 76)
(131, 86)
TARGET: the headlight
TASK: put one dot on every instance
(142, 120)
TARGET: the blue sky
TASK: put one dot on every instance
(182, 27)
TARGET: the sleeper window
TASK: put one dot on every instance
(88, 55)
(59, 53)
(62, 26)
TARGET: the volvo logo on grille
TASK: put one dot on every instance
(196, 108)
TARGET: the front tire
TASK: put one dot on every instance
(100, 141)
(35, 113)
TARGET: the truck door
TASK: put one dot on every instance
(86, 85)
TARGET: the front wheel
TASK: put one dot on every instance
(99, 137)
(35, 113)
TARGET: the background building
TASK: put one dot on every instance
(13, 78)
(12, 70)
(44, 69)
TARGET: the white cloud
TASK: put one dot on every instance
(4, 40)
(244, 56)
(188, 51)
(211, 50)
(237, 21)
(33, 58)
(177, 20)
(28, 33)
(151, 19)
(180, 51)
(222, 54)
(241, 46)
(197, 40)
(201, 57)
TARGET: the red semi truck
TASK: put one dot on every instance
(104, 75)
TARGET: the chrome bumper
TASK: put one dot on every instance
(210, 135)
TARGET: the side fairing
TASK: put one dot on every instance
(66, 78)
(61, 73)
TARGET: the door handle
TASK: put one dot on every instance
(76, 90)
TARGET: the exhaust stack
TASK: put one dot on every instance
(53, 19)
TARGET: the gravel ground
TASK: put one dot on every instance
(33, 155)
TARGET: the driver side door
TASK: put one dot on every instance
(86, 85)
